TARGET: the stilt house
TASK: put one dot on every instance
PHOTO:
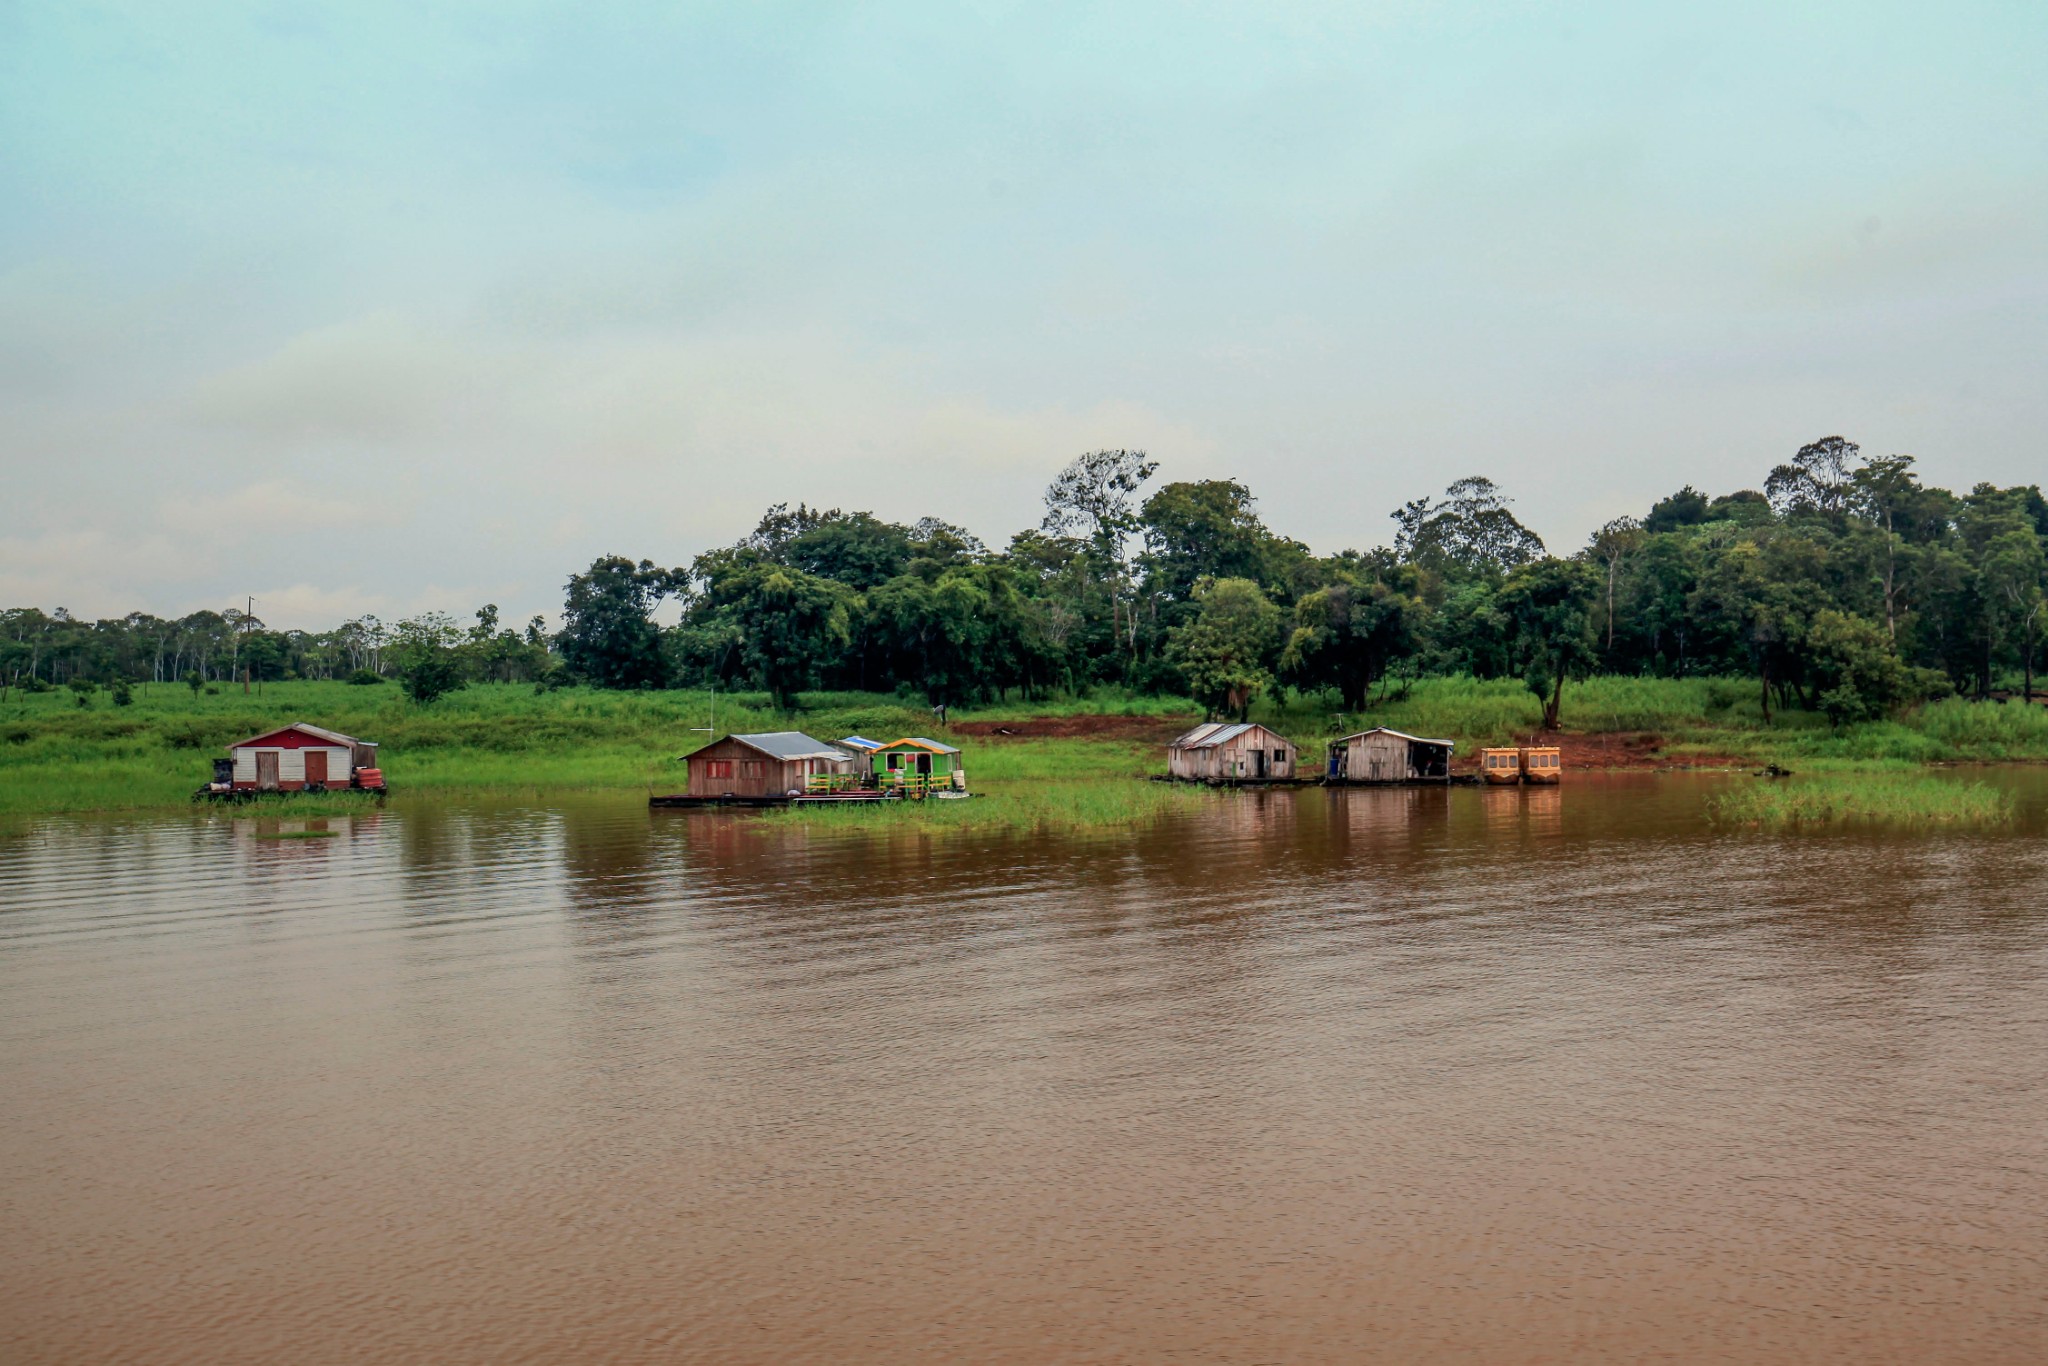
(302, 758)
(773, 764)
(1223, 753)
(1381, 755)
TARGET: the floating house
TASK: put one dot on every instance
(861, 750)
(299, 758)
(1224, 753)
(1500, 765)
(1381, 755)
(1541, 764)
(773, 765)
(916, 763)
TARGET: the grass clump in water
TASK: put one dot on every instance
(1869, 798)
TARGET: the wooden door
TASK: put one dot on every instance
(266, 770)
(316, 768)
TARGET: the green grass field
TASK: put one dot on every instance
(58, 757)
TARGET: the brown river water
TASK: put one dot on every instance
(1488, 1076)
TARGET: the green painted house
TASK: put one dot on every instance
(917, 762)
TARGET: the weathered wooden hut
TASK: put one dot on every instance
(770, 765)
(917, 762)
(1541, 764)
(1381, 755)
(303, 758)
(1500, 765)
(1219, 752)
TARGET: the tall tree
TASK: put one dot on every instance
(1470, 532)
(1226, 653)
(1613, 546)
(790, 625)
(1550, 604)
(1347, 636)
(1093, 497)
(1820, 478)
(608, 632)
(1205, 529)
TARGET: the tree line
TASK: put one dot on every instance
(1843, 585)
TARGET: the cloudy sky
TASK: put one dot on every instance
(383, 308)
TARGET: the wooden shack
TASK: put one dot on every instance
(915, 762)
(775, 764)
(1500, 765)
(1381, 755)
(1541, 764)
(303, 758)
(1222, 753)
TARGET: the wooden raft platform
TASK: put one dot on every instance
(856, 797)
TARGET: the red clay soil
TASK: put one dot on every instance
(1156, 728)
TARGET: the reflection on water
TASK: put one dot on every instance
(1398, 1074)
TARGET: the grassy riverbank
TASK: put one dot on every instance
(56, 756)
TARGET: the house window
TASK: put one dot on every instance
(895, 762)
(718, 768)
(750, 768)
(1279, 756)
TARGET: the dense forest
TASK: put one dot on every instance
(1844, 585)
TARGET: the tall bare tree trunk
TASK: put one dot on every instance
(1612, 566)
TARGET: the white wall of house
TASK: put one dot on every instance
(291, 763)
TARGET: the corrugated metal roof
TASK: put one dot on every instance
(920, 742)
(1397, 734)
(860, 742)
(332, 737)
(789, 745)
(1213, 734)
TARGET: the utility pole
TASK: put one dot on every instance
(248, 615)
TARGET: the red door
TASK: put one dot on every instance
(316, 768)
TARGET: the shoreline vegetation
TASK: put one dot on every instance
(1842, 616)
(1868, 796)
(1077, 762)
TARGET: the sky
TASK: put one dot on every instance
(391, 308)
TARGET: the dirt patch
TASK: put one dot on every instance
(1622, 749)
(1159, 729)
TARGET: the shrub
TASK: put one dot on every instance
(430, 672)
(123, 696)
(365, 678)
(1860, 677)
